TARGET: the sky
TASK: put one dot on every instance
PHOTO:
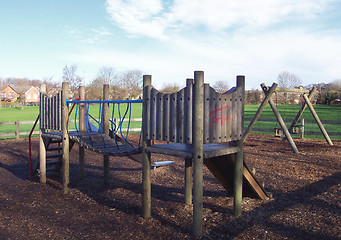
(171, 39)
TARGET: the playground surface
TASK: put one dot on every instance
(306, 201)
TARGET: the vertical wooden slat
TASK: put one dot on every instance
(214, 116)
(180, 116)
(188, 110)
(146, 98)
(224, 104)
(172, 117)
(153, 107)
(49, 113)
(159, 116)
(234, 115)
(60, 109)
(206, 113)
(166, 117)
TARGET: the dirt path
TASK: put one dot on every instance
(306, 200)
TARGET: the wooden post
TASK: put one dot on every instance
(65, 136)
(146, 164)
(105, 129)
(82, 128)
(42, 146)
(300, 112)
(17, 130)
(302, 129)
(198, 152)
(269, 91)
(317, 119)
(188, 181)
(238, 169)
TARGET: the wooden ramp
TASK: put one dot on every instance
(222, 168)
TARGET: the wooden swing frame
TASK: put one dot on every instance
(307, 96)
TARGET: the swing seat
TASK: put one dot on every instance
(278, 132)
(297, 129)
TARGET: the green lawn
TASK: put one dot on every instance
(325, 112)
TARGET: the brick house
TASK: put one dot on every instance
(32, 95)
(9, 94)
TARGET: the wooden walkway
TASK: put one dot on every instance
(99, 143)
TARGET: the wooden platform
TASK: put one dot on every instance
(186, 150)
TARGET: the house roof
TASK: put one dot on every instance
(33, 88)
(10, 88)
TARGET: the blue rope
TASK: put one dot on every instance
(100, 123)
(76, 121)
(87, 124)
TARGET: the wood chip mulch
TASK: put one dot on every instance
(306, 203)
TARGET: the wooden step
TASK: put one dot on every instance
(49, 163)
(55, 140)
(55, 148)
(57, 155)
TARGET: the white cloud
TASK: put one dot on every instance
(153, 18)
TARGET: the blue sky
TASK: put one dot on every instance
(171, 39)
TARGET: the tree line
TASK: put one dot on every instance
(128, 85)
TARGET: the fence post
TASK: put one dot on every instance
(17, 130)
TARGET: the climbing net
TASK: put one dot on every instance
(119, 124)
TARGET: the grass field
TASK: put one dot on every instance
(325, 112)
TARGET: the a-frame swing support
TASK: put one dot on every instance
(268, 91)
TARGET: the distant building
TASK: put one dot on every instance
(32, 95)
(8, 94)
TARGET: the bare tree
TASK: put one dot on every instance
(288, 80)
(221, 86)
(170, 88)
(108, 74)
(131, 81)
(70, 76)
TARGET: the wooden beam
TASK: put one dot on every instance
(105, 132)
(65, 136)
(300, 112)
(146, 164)
(238, 167)
(283, 126)
(269, 92)
(292, 90)
(82, 128)
(198, 153)
(317, 119)
(188, 181)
